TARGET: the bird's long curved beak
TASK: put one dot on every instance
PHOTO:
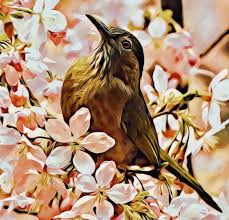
(102, 28)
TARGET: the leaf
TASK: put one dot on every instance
(17, 15)
(141, 196)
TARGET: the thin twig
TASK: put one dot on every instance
(164, 113)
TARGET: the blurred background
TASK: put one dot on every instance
(207, 21)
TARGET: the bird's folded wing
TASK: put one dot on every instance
(140, 129)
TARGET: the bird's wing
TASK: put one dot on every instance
(139, 127)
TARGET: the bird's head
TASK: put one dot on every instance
(118, 58)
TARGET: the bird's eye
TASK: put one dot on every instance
(126, 44)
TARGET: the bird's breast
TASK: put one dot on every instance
(106, 110)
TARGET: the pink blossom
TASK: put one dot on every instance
(4, 98)
(13, 58)
(35, 174)
(208, 141)
(187, 206)
(23, 118)
(20, 96)
(20, 200)
(35, 62)
(80, 38)
(33, 28)
(79, 123)
(177, 55)
(157, 27)
(6, 177)
(99, 188)
(218, 89)
(156, 188)
(52, 93)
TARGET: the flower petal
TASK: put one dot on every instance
(122, 193)
(178, 40)
(86, 183)
(105, 173)
(4, 97)
(104, 210)
(50, 4)
(59, 157)
(54, 21)
(85, 204)
(98, 142)
(83, 162)
(9, 136)
(58, 130)
(221, 91)
(157, 27)
(160, 79)
(194, 211)
(38, 6)
(12, 76)
(214, 114)
(80, 122)
(67, 214)
(221, 75)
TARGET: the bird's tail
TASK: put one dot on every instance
(184, 176)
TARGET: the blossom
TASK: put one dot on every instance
(163, 97)
(100, 190)
(163, 91)
(157, 27)
(52, 93)
(35, 62)
(4, 98)
(79, 123)
(218, 89)
(20, 200)
(156, 188)
(80, 38)
(20, 96)
(177, 54)
(12, 57)
(207, 141)
(23, 118)
(6, 177)
(33, 174)
(187, 206)
(33, 28)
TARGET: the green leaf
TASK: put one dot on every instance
(190, 95)
(141, 196)
(17, 15)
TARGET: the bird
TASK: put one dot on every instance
(107, 82)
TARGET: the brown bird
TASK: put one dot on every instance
(108, 83)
